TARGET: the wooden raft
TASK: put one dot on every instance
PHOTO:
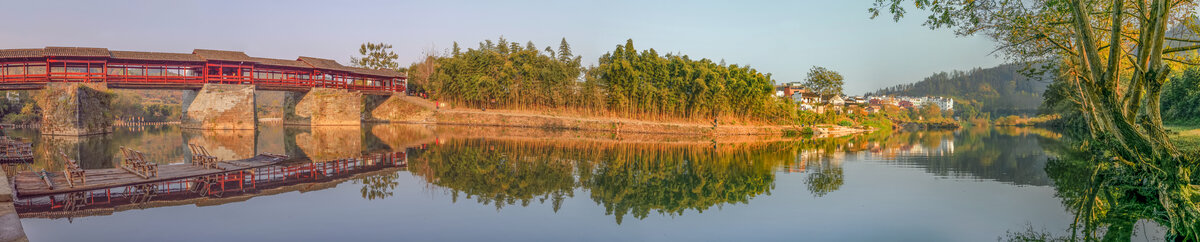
(13, 150)
(31, 183)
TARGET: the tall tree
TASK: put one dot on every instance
(564, 51)
(824, 81)
(376, 56)
(1114, 56)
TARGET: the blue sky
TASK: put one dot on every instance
(785, 38)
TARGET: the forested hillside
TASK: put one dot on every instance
(991, 92)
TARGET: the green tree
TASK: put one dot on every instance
(1181, 98)
(376, 56)
(1113, 52)
(824, 81)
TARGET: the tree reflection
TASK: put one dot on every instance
(636, 180)
(1108, 198)
(824, 178)
(625, 179)
(497, 174)
(378, 186)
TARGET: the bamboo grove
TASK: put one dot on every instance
(626, 82)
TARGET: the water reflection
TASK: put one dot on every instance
(338, 154)
(669, 179)
(224, 144)
(1114, 201)
(223, 188)
(506, 169)
(1007, 154)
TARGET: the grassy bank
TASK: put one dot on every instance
(1186, 137)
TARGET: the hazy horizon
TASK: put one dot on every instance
(779, 37)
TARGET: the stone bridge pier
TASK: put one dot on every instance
(220, 106)
(323, 107)
(75, 109)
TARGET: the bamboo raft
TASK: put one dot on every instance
(37, 183)
(13, 150)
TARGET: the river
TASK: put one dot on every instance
(472, 183)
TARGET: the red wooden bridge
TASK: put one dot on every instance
(24, 69)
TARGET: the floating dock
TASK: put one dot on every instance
(32, 183)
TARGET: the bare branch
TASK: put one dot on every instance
(1181, 49)
(1183, 40)
(1181, 61)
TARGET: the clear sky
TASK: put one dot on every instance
(785, 38)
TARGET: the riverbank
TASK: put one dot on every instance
(416, 110)
(10, 223)
(926, 125)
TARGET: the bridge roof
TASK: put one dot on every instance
(328, 64)
(155, 56)
(374, 72)
(22, 53)
(278, 62)
(197, 55)
(223, 55)
(76, 51)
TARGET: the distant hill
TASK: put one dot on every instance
(1000, 90)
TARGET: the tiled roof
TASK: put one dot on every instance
(76, 51)
(328, 64)
(222, 55)
(324, 64)
(198, 55)
(22, 53)
(139, 55)
(374, 72)
(278, 62)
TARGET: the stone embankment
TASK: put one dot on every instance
(928, 125)
(10, 223)
(416, 110)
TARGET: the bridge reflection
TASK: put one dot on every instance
(219, 188)
(630, 176)
(325, 157)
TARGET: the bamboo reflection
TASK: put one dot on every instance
(669, 179)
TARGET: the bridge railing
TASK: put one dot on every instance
(148, 74)
(23, 72)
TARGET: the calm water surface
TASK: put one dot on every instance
(508, 184)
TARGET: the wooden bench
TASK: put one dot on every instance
(135, 162)
(201, 157)
(72, 171)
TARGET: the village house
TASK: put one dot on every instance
(806, 98)
(833, 99)
(788, 89)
